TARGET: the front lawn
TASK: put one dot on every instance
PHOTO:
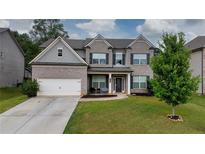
(137, 114)
(10, 97)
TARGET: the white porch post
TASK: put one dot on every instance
(110, 83)
(128, 83)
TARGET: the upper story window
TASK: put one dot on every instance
(99, 58)
(139, 59)
(119, 58)
(140, 82)
(60, 52)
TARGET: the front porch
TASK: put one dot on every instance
(111, 83)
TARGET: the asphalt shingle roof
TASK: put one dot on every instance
(196, 43)
(80, 43)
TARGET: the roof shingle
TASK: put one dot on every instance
(196, 43)
(80, 43)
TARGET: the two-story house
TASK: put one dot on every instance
(11, 60)
(94, 65)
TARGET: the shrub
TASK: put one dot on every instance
(30, 88)
(150, 88)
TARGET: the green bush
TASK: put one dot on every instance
(150, 88)
(30, 88)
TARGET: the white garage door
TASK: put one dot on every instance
(55, 87)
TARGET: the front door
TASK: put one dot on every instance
(118, 84)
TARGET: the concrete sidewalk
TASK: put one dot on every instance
(39, 115)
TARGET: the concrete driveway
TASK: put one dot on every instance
(39, 115)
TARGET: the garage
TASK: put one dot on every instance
(59, 87)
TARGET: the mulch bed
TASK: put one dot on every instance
(98, 96)
(176, 118)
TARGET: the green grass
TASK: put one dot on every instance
(10, 97)
(137, 114)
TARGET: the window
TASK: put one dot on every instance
(140, 82)
(60, 52)
(118, 59)
(98, 81)
(139, 58)
(98, 58)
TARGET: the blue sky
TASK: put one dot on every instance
(122, 28)
(118, 28)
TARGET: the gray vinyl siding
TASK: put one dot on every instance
(52, 55)
(11, 63)
(196, 67)
(203, 71)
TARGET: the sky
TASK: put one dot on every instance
(118, 28)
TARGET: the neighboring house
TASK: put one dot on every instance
(11, 60)
(197, 62)
(94, 65)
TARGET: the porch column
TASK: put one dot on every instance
(128, 83)
(110, 83)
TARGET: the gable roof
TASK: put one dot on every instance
(74, 43)
(51, 45)
(114, 42)
(13, 38)
(196, 43)
(141, 37)
(99, 37)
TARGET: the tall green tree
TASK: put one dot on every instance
(44, 29)
(30, 48)
(173, 82)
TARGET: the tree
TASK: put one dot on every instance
(29, 47)
(44, 29)
(173, 82)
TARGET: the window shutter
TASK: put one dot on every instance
(107, 81)
(123, 59)
(113, 59)
(107, 58)
(131, 82)
(131, 58)
(91, 58)
(148, 58)
(148, 83)
(90, 81)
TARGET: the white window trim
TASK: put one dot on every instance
(98, 82)
(139, 81)
(116, 58)
(61, 50)
(99, 58)
(140, 59)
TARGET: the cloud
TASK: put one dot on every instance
(4, 23)
(153, 28)
(74, 35)
(20, 25)
(96, 26)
